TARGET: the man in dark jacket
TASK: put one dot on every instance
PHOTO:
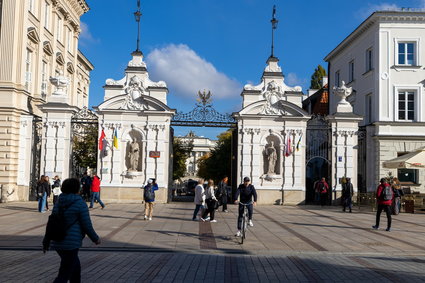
(383, 204)
(222, 193)
(247, 192)
(347, 194)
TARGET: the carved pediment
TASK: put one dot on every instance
(47, 48)
(278, 108)
(33, 35)
(60, 59)
(70, 68)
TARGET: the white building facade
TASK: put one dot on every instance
(382, 60)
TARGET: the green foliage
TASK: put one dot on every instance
(84, 147)
(316, 78)
(217, 164)
(181, 151)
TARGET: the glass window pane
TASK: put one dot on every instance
(407, 175)
(401, 59)
(401, 48)
(401, 115)
(410, 59)
(401, 96)
(410, 106)
(410, 48)
(410, 115)
(411, 96)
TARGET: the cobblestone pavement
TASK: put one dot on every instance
(286, 244)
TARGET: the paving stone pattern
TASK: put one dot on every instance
(286, 244)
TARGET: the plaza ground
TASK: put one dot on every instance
(286, 244)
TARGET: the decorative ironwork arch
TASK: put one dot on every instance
(203, 115)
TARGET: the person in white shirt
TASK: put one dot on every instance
(56, 188)
(199, 198)
(210, 200)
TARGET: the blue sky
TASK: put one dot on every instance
(219, 45)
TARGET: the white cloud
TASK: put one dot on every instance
(185, 72)
(86, 36)
(292, 80)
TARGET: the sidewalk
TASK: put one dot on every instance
(293, 244)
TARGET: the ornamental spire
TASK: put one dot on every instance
(274, 22)
(137, 16)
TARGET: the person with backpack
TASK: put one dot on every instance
(384, 198)
(56, 189)
(347, 194)
(322, 189)
(149, 197)
(95, 188)
(73, 223)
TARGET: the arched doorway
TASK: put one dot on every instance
(318, 156)
(316, 168)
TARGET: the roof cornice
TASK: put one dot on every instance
(376, 17)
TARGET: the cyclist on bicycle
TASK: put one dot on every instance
(246, 191)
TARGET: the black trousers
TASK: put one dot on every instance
(241, 208)
(211, 209)
(224, 202)
(70, 268)
(387, 209)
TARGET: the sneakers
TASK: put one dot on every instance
(388, 229)
(238, 234)
(375, 227)
(103, 207)
(203, 220)
(145, 217)
(225, 210)
(250, 223)
(150, 218)
(213, 221)
(208, 218)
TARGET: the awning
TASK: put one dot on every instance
(415, 159)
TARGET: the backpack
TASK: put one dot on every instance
(149, 194)
(56, 227)
(387, 193)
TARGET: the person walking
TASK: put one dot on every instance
(56, 189)
(49, 191)
(384, 198)
(222, 193)
(95, 189)
(77, 218)
(199, 198)
(398, 193)
(246, 192)
(149, 197)
(210, 201)
(42, 194)
(347, 195)
(86, 184)
(322, 188)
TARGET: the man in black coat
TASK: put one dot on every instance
(247, 192)
(222, 193)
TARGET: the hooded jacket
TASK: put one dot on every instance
(78, 217)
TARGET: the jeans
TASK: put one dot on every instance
(196, 211)
(347, 203)
(96, 196)
(70, 268)
(42, 203)
(323, 199)
(240, 216)
(210, 209)
(387, 209)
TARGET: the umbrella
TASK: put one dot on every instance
(414, 159)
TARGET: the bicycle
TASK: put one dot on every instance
(244, 225)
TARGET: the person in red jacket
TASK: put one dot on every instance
(383, 204)
(95, 188)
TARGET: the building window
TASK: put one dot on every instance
(28, 70)
(44, 76)
(406, 105)
(59, 29)
(369, 59)
(406, 53)
(31, 6)
(46, 15)
(69, 40)
(351, 71)
(337, 78)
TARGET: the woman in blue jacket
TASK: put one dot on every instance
(77, 218)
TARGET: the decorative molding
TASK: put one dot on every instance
(33, 35)
(47, 48)
(112, 126)
(70, 68)
(59, 59)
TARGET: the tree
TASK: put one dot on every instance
(217, 164)
(316, 78)
(181, 152)
(84, 147)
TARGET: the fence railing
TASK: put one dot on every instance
(409, 202)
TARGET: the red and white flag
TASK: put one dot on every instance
(102, 141)
(288, 150)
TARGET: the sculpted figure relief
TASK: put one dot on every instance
(133, 155)
(272, 95)
(271, 157)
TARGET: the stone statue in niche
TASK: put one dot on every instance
(271, 157)
(133, 155)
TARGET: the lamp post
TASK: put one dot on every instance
(137, 16)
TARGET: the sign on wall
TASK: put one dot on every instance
(154, 154)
